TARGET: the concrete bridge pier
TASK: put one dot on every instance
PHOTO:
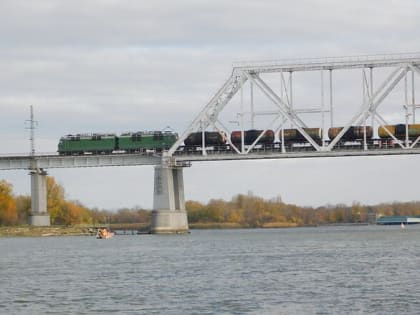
(169, 214)
(39, 215)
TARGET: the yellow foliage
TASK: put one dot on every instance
(55, 201)
(8, 212)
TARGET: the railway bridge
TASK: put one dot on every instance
(260, 97)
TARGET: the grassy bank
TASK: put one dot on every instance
(45, 231)
(215, 226)
(76, 230)
(239, 226)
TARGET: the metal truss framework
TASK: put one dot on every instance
(402, 66)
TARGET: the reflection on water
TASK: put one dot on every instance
(324, 270)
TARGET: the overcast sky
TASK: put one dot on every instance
(120, 65)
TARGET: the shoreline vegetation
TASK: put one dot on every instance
(242, 211)
(38, 231)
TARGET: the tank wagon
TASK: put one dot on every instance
(352, 134)
(399, 131)
(293, 135)
(130, 142)
(211, 138)
(251, 135)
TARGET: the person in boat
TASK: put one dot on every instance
(101, 233)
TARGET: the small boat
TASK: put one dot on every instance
(104, 233)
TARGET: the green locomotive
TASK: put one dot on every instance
(130, 142)
(148, 140)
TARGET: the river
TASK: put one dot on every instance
(320, 270)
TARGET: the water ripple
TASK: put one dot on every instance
(340, 270)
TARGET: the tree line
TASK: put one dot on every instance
(243, 210)
(252, 211)
(15, 210)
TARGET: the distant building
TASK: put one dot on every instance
(371, 216)
(397, 220)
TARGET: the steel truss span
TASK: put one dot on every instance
(273, 120)
(379, 115)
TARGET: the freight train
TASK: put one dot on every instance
(130, 142)
(157, 141)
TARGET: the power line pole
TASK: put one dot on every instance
(32, 126)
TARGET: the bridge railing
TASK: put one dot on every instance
(27, 154)
(402, 57)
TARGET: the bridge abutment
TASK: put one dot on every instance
(39, 215)
(169, 214)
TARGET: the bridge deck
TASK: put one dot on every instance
(56, 161)
(182, 157)
(264, 154)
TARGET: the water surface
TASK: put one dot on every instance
(323, 270)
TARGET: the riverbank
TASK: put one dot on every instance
(36, 231)
(129, 228)
(74, 230)
(229, 225)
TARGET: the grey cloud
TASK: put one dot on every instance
(173, 23)
(118, 65)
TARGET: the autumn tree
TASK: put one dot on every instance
(64, 212)
(55, 201)
(75, 213)
(127, 215)
(193, 209)
(8, 213)
(23, 208)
